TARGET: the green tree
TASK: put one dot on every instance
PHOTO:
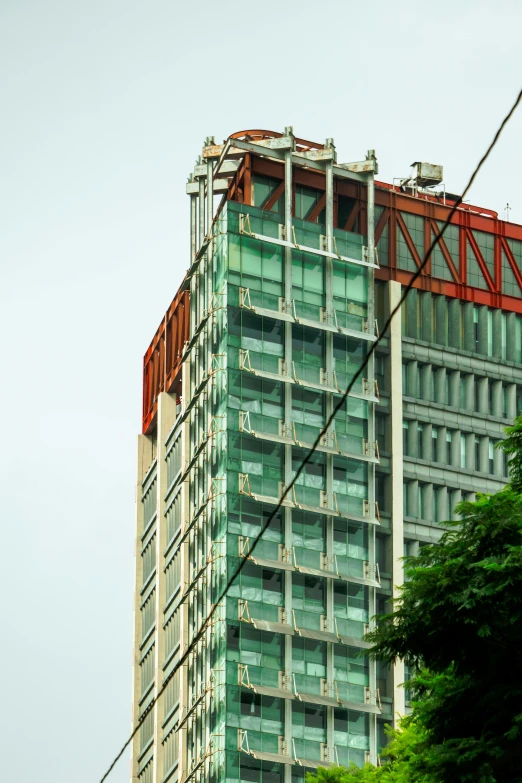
(459, 622)
(397, 768)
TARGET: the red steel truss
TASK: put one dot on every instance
(162, 361)
(394, 204)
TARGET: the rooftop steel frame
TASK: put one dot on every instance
(227, 169)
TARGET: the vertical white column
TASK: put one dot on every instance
(166, 419)
(329, 404)
(394, 290)
(186, 453)
(145, 458)
(371, 433)
(288, 449)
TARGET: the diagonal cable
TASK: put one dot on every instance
(317, 441)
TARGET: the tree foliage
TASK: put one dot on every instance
(403, 748)
(458, 620)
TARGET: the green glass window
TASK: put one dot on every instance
(261, 460)
(246, 768)
(308, 279)
(308, 665)
(308, 593)
(351, 736)
(351, 425)
(350, 287)
(262, 585)
(382, 244)
(439, 267)
(308, 657)
(308, 722)
(415, 228)
(263, 188)
(308, 413)
(345, 206)
(474, 273)
(256, 395)
(246, 517)
(308, 531)
(306, 199)
(312, 479)
(509, 282)
(256, 649)
(308, 353)
(350, 541)
(257, 266)
(351, 672)
(350, 477)
(351, 603)
(486, 243)
(260, 713)
(255, 333)
(348, 355)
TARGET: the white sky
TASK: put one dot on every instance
(105, 105)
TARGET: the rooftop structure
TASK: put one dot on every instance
(295, 261)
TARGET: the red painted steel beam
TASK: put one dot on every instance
(162, 360)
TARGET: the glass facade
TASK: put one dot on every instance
(280, 334)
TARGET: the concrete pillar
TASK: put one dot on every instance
(413, 498)
(454, 323)
(469, 326)
(441, 320)
(511, 392)
(483, 330)
(484, 455)
(444, 513)
(426, 326)
(440, 385)
(426, 442)
(498, 462)
(483, 395)
(456, 498)
(426, 382)
(455, 449)
(397, 479)
(498, 403)
(470, 451)
(411, 377)
(497, 333)
(511, 340)
(469, 391)
(441, 445)
(454, 389)
(411, 314)
(413, 438)
(429, 505)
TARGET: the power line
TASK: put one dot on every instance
(317, 441)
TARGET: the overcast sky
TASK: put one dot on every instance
(104, 107)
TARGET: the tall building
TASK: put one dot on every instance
(295, 261)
